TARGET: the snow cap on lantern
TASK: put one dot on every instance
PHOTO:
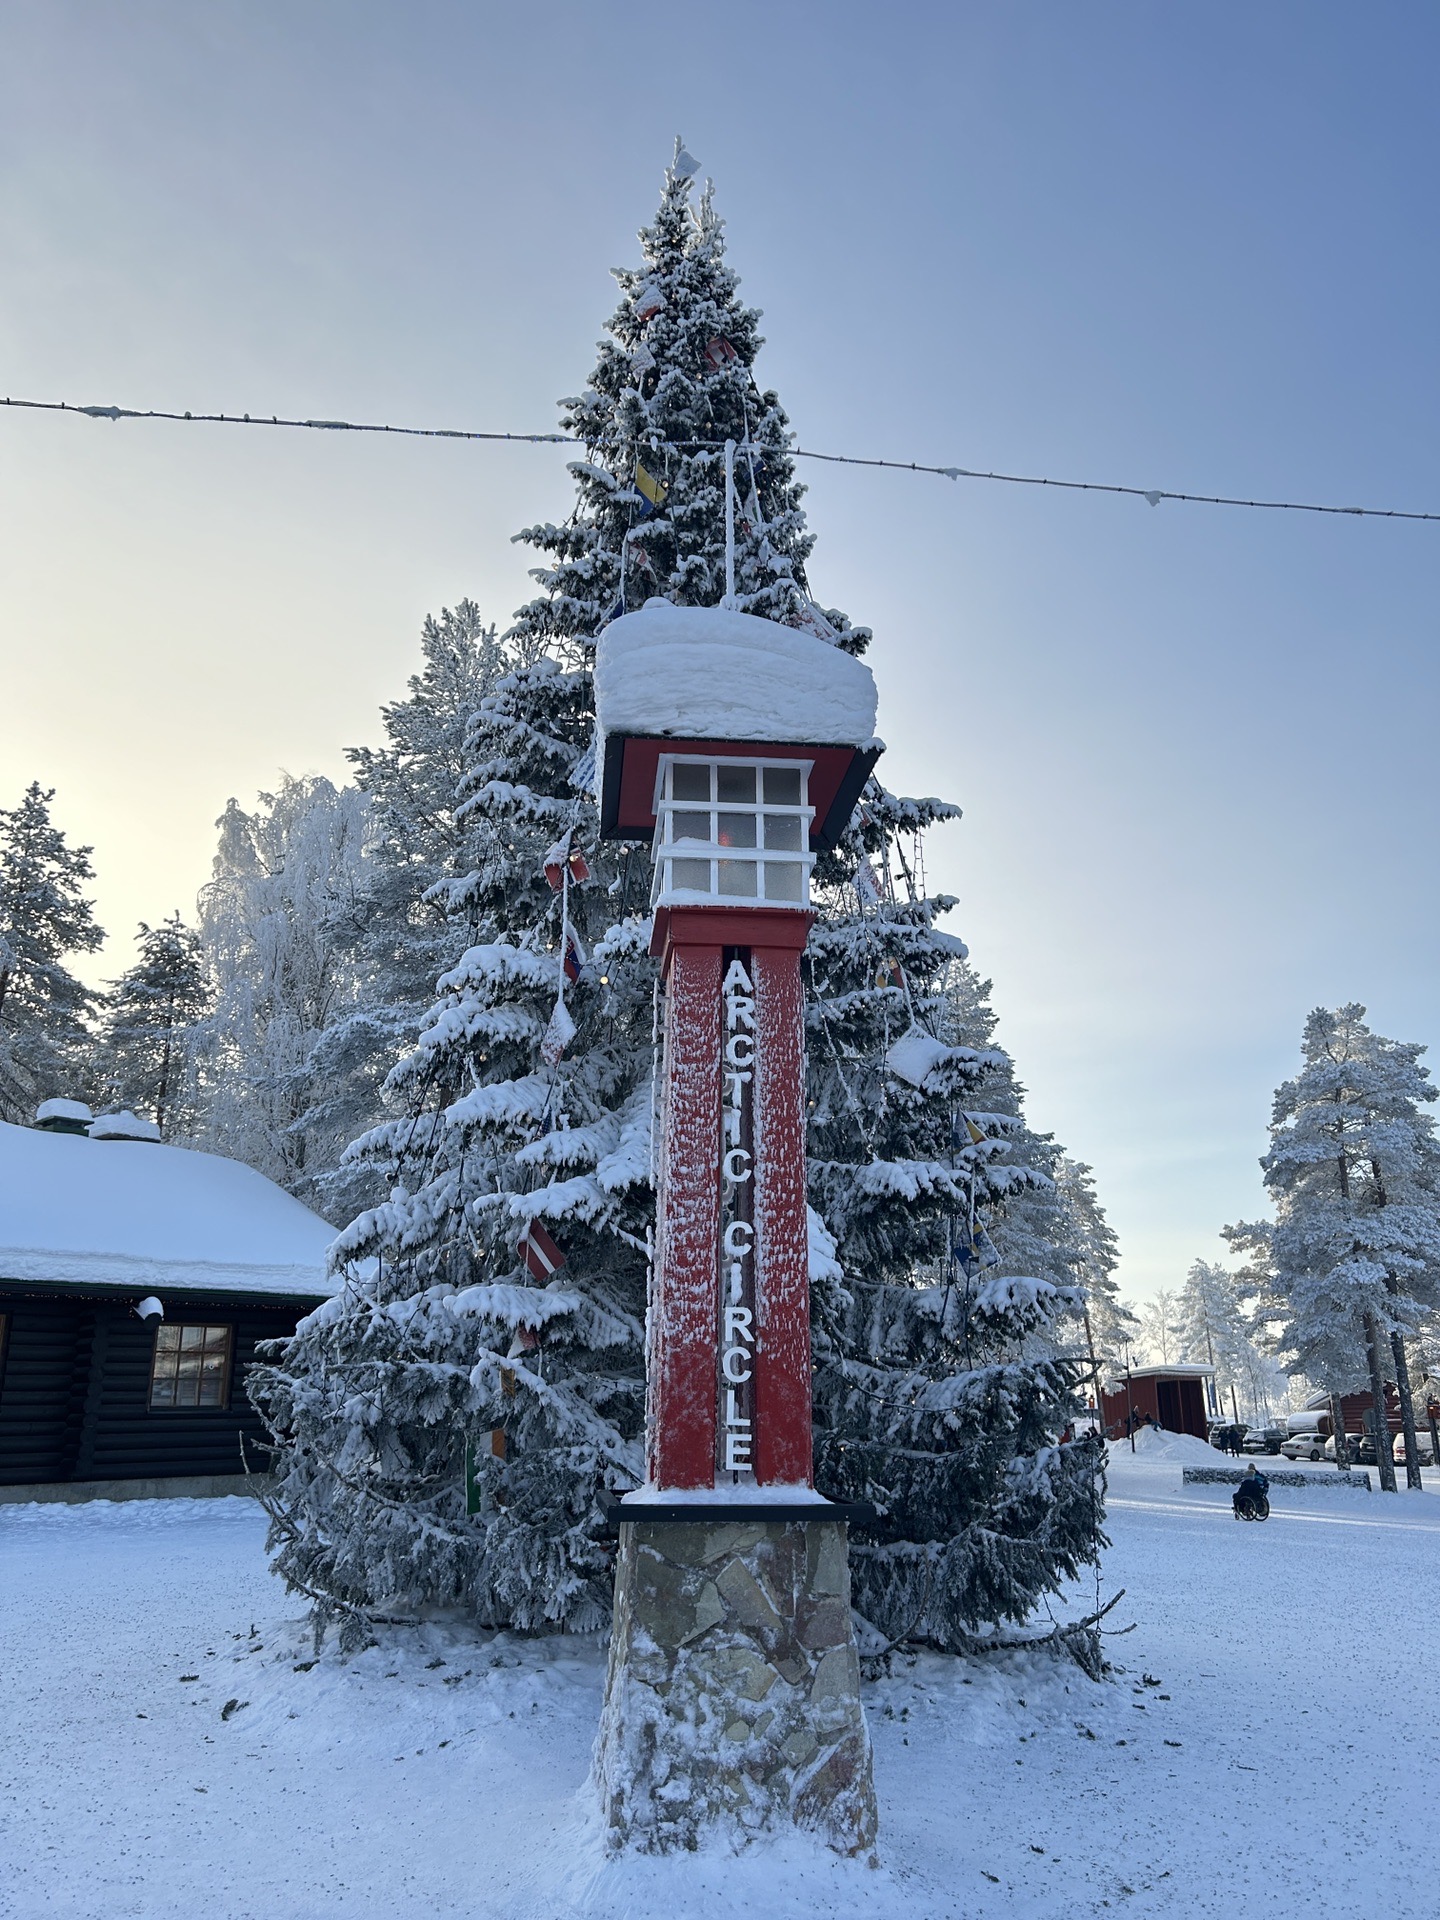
(686, 687)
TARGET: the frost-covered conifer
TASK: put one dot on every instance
(1213, 1328)
(399, 935)
(44, 918)
(1352, 1258)
(941, 1398)
(143, 1052)
(275, 922)
(674, 381)
(453, 1336)
(1107, 1324)
(940, 1387)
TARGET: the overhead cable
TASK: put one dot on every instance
(1153, 495)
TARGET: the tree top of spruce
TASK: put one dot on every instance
(675, 380)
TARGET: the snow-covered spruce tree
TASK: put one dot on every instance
(674, 381)
(452, 1337)
(398, 936)
(1213, 1328)
(370, 1401)
(1108, 1326)
(142, 1050)
(44, 918)
(275, 923)
(940, 1385)
(1160, 1328)
(1352, 1258)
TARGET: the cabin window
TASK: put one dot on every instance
(733, 830)
(191, 1366)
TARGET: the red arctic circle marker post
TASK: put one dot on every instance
(737, 748)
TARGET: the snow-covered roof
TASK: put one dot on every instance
(129, 1213)
(705, 673)
(1180, 1370)
(124, 1126)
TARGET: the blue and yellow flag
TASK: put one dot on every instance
(654, 490)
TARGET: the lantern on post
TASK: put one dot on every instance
(737, 748)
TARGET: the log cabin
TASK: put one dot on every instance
(136, 1281)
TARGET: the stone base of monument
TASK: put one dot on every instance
(733, 1692)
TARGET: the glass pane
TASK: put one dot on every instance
(737, 877)
(212, 1382)
(783, 830)
(187, 1381)
(782, 786)
(784, 880)
(167, 1340)
(736, 830)
(191, 1338)
(691, 873)
(736, 783)
(690, 826)
(162, 1391)
(690, 783)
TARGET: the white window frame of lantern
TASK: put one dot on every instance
(677, 861)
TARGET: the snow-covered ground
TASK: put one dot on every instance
(1285, 1762)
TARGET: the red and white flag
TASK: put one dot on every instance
(539, 1252)
(719, 352)
(867, 885)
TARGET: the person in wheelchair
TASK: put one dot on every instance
(1252, 1496)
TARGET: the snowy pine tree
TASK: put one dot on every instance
(150, 1013)
(1352, 1258)
(673, 383)
(44, 918)
(1108, 1326)
(399, 935)
(276, 923)
(1214, 1329)
(939, 1395)
(454, 1338)
(943, 1398)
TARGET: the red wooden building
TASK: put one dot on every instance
(1179, 1397)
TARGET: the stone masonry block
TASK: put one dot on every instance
(711, 1621)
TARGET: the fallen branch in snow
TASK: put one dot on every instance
(1079, 1638)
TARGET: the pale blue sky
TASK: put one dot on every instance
(1187, 248)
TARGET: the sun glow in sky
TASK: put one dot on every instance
(1180, 249)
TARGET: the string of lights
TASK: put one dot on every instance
(1152, 495)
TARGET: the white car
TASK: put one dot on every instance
(1304, 1446)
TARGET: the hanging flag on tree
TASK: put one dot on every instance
(809, 617)
(719, 352)
(561, 856)
(648, 300)
(541, 1257)
(558, 1035)
(652, 488)
(975, 1250)
(867, 885)
(574, 958)
(890, 974)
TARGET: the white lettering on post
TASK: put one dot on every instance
(736, 1167)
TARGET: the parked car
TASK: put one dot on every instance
(1422, 1449)
(1360, 1447)
(1265, 1440)
(1304, 1446)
